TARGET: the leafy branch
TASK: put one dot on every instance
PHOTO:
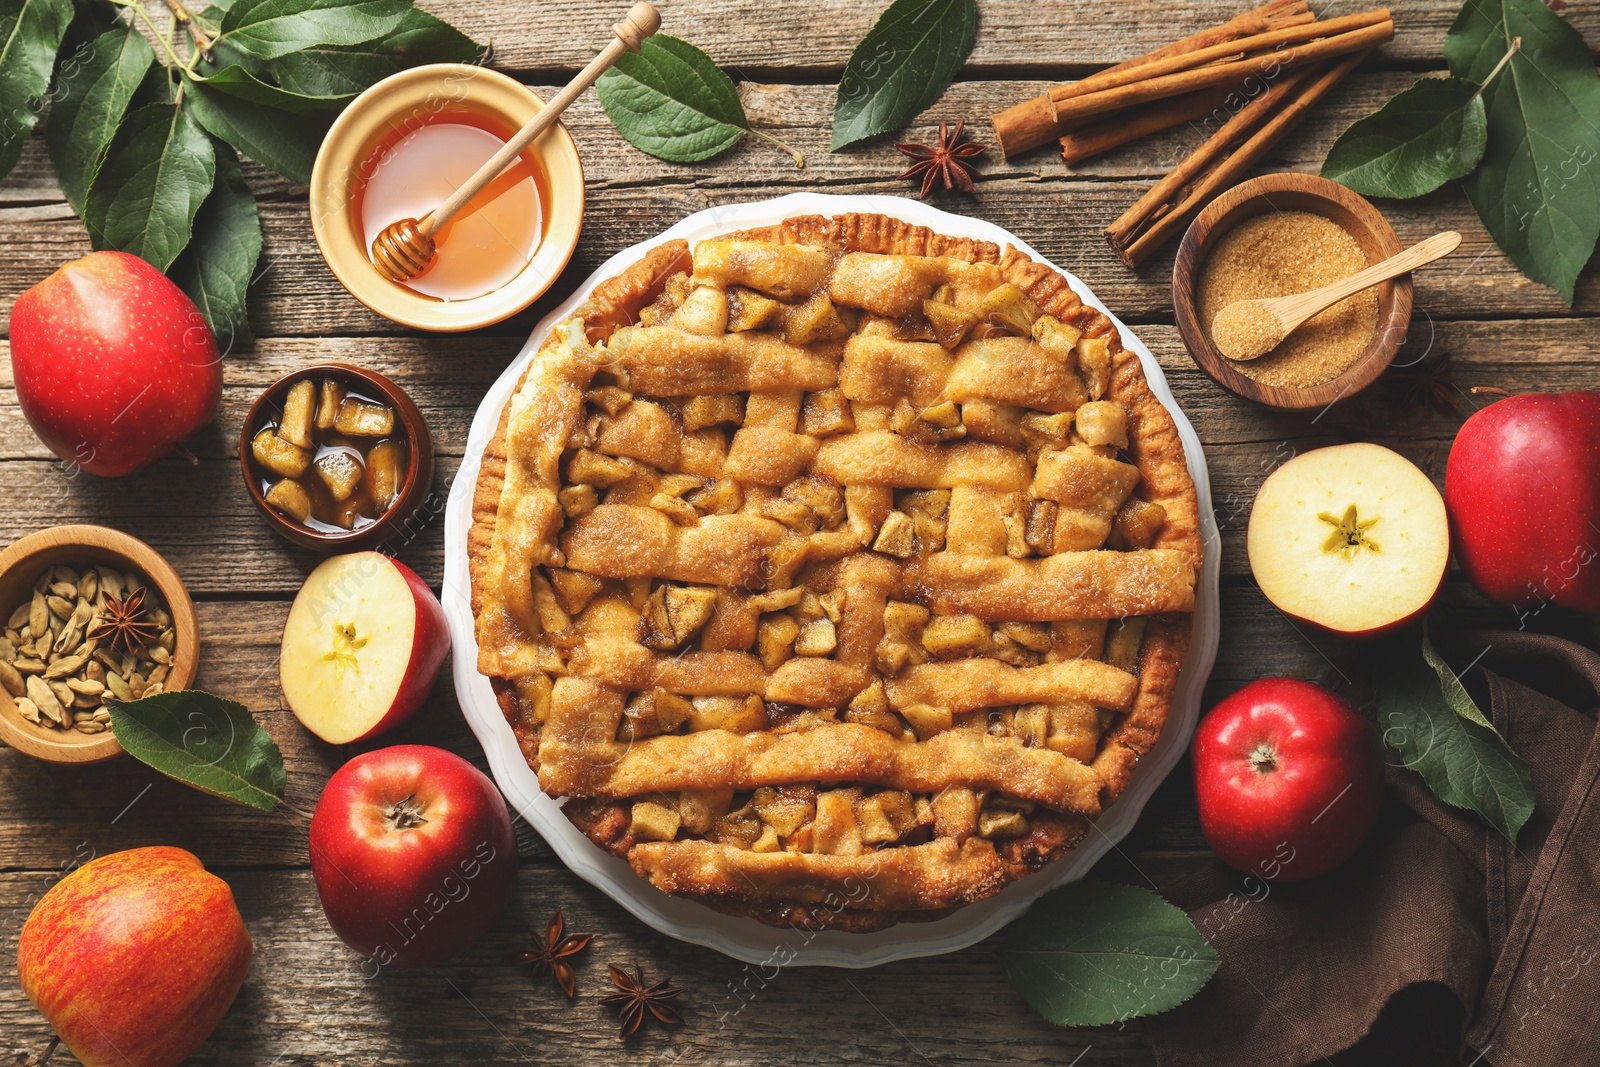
(1429, 718)
(146, 143)
(1517, 122)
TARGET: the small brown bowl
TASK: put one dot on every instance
(75, 546)
(1292, 192)
(414, 488)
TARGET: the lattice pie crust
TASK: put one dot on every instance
(838, 573)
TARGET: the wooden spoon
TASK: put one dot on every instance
(1249, 329)
(405, 249)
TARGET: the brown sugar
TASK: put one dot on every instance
(1246, 329)
(1280, 254)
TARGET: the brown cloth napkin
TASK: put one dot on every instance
(1438, 942)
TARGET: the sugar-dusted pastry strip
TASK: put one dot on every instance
(579, 762)
(939, 873)
(1014, 370)
(811, 682)
(816, 682)
(541, 413)
(1079, 477)
(884, 458)
(628, 541)
(968, 684)
(766, 455)
(1069, 585)
(881, 370)
(787, 272)
(662, 361)
(633, 667)
(896, 286)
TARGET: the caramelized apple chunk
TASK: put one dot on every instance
(278, 455)
(654, 822)
(329, 396)
(362, 418)
(298, 411)
(291, 498)
(1136, 524)
(386, 468)
(340, 471)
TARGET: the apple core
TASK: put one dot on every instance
(1351, 538)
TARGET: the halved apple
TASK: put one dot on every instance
(364, 642)
(1351, 538)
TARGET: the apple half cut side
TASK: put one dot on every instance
(364, 642)
(1350, 538)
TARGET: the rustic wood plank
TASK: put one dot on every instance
(202, 521)
(47, 809)
(799, 115)
(309, 1001)
(631, 194)
(816, 38)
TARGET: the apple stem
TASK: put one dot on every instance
(194, 460)
(50, 1050)
(1490, 390)
(1263, 758)
(405, 815)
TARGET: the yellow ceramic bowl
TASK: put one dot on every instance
(390, 105)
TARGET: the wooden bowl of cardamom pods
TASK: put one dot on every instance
(91, 617)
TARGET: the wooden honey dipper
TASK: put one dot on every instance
(406, 248)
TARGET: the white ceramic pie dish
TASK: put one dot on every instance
(743, 938)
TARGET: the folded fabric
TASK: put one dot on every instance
(1438, 942)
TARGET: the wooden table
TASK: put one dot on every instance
(307, 1000)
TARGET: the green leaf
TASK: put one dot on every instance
(206, 742)
(215, 270)
(281, 140)
(1094, 953)
(1429, 718)
(92, 92)
(1538, 187)
(268, 29)
(670, 100)
(330, 70)
(237, 82)
(903, 64)
(30, 33)
(1427, 135)
(144, 198)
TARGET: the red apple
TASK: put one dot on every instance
(1288, 777)
(1352, 539)
(113, 363)
(1523, 489)
(134, 957)
(413, 854)
(364, 642)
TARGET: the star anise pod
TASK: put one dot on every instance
(551, 956)
(633, 999)
(948, 160)
(125, 624)
(1428, 384)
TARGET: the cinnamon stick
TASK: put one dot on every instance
(1262, 64)
(1032, 123)
(1102, 136)
(1221, 161)
(1225, 50)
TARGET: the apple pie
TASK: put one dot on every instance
(836, 573)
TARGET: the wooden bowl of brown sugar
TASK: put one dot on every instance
(1270, 236)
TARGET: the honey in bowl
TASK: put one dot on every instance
(490, 240)
(334, 461)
